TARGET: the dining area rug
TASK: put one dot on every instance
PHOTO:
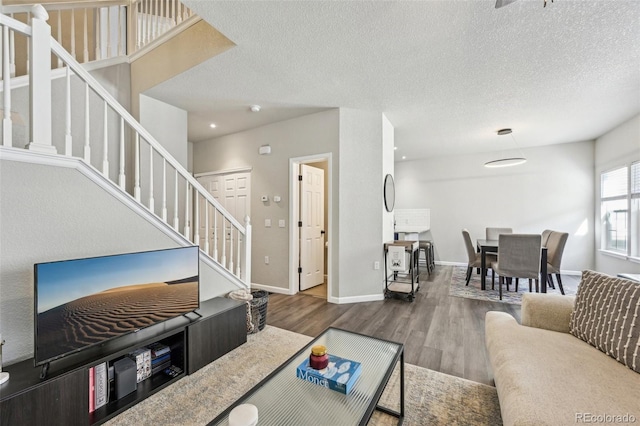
(458, 288)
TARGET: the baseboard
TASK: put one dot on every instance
(445, 263)
(271, 289)
(568, 272)
(356, 299)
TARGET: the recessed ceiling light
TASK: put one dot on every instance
(395, 148)
(404, 157)
(212, 125)
(255, 108)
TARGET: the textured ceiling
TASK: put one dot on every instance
(447, 74)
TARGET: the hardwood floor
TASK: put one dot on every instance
(440, 332)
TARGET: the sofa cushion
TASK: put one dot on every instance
(551, 378)
(607, 316)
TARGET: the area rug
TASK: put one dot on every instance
(458, 288)
(430, 397)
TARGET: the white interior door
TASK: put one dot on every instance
(312, 230)
(233, 191)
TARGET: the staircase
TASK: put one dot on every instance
(88, 125)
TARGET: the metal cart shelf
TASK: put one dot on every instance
(405, 272)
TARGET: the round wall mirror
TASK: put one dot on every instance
(389, 193)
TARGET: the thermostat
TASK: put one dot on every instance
(264, 150)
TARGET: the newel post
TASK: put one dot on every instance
(247, 251)
(40, 82)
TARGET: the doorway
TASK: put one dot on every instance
(310, 241)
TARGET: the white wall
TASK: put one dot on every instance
(360, 204)
(619, 147)
(168, 124)
(553, 190)
(307, 135)
(49, 213)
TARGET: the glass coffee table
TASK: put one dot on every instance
(284, 399)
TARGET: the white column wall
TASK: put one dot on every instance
(361, 205)
(388, 142)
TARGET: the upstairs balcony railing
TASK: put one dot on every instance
(90, 124)
(98, 30)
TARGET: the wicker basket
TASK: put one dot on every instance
(259, 309)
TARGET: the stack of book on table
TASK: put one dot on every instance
(340, 375)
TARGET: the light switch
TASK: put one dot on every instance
(281, 223)
(267, 223)
(276, 198)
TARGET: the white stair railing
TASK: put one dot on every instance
(117, 137)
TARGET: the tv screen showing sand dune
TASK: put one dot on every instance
(84, 302)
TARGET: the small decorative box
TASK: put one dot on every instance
(340, 375)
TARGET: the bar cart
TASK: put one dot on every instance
(401, 258)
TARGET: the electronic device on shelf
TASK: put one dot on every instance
(173, 371)
(81, 303)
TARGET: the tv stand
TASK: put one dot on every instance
(62, 396)
(44, 371)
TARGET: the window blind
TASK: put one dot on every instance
(635, 178)
(614, 183)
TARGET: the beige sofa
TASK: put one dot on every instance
(546, 376)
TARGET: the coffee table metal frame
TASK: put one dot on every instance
(373, 405)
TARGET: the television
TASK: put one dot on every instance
(85, 302)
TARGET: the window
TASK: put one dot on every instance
(620, 210)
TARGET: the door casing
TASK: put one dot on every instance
(294, 217)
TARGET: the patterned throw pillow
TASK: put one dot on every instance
(607, 316)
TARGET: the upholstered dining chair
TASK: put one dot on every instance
(545, 236)
(475, 259)
(493, 233)
(555, 247)
(518, 257)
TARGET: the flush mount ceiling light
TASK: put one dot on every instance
(507, 160)
(212, 125)
(255, 108)
(502, 3)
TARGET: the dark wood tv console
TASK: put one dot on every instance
(63, 397)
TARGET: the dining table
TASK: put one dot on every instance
(491, 246)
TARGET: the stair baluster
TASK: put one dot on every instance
(7, 128)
